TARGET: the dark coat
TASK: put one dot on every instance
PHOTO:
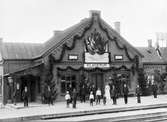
(25, 95)
(83, 90)
(138, 91)
(154, 88)
(74, 95)
(125, 90)
(113, 92)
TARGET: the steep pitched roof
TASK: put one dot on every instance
(64, 35)
(121, 39)
(20, 50)
(31, 51)
(151, 55)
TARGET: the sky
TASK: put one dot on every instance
(35, 20)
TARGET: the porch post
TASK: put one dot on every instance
(3, 90)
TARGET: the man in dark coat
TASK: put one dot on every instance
(138, 93)
(125, 92)
(74, 97)
(25, 96)
(154, 89)
(83, 93)
(113, 93)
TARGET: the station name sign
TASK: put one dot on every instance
(96, 58)
(96, 65)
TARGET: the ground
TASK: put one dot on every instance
(58, 110)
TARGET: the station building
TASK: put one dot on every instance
(91, 49)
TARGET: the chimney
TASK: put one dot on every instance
(117, 27)
(95, 13)
(149, 43)
(56, 32)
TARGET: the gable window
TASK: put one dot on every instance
(72, 57)
(118, 57)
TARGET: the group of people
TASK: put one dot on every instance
(25, 95)
(47, 95)
(90, 93)
(110, 93)
(71, 98)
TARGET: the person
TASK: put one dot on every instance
(49, 95)
(16, 93)
(25, 96)
(104, 99)
(74, 97)
(83, 93)
(98, 96)
(69, 88)
(67, 98)
(138, 93)
(91, 98)
(154, 89)
(107, 92)
(114, 95)
(125, 92)
(93, 89)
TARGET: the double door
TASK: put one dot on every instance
(97, 79)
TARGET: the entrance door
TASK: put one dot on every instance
(97, 79)
(30, 82)
(121, 79)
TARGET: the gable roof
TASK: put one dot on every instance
(20, 50)
(32, 51)
(151, 55)
(70, 32)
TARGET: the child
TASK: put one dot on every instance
(98, 96)
(67, 97)
(91, 98)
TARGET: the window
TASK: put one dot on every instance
(66, 81)
(63, 87)
(72, 57)
(118, 57)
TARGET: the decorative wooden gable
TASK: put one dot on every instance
(96, 37)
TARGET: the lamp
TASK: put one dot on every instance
(10, 80)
